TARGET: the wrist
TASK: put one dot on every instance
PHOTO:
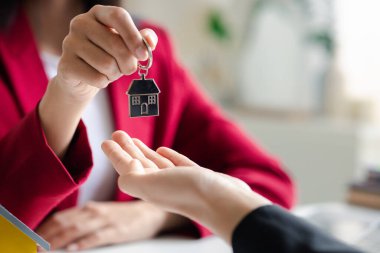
(222, 212)
(73, 93)
(58, 104)
(60, 113)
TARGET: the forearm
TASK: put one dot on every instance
(60, 113)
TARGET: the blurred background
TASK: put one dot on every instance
(300, 76)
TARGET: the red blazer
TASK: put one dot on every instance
(35, 183)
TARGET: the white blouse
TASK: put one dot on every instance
(97, 117)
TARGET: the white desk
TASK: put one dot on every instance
(168, 245)
(354, 225)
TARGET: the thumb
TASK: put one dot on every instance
(176, 158)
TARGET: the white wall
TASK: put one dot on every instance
(323, 157)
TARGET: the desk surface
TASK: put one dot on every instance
(355, 225)
(345, 222)
(168, 245)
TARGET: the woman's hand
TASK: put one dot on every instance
(102, 223)
(216, 200)
(102, 45)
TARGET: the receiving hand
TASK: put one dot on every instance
(216, 200)
(102, 223)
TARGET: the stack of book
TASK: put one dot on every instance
(366, 193)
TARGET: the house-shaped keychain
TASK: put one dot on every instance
(143, 98)
(143, 93)
(16, 237)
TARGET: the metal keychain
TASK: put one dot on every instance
(143, 93)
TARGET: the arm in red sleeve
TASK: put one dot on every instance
(33, 179)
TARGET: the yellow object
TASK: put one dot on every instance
(16, 237)
(12, 240)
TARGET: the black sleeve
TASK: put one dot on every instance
(272, 229)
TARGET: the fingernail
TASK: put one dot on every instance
(72, 247)
(141, 53)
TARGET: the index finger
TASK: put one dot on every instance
(119, 19)
(120, 159)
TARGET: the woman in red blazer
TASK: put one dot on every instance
(45, 149)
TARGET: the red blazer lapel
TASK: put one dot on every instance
(21, 60)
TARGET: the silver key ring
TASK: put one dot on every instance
(150, 58)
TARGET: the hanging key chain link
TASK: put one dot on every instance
(144, 70)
